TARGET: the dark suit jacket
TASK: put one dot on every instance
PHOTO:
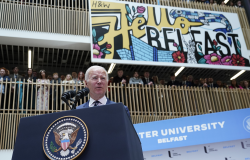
(150, 80)
(214, 85)
(176, 83)
(86, 105)
(17, 79)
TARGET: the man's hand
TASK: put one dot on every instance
(123, 81)
(150, 83)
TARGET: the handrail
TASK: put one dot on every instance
(145, 103)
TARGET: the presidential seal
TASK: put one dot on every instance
(65, 139)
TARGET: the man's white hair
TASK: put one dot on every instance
(95, 67)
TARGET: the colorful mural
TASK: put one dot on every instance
(124, 32)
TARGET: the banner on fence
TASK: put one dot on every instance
(195, 130)
(124, 32)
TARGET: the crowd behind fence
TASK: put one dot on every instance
(145, 103)
(158, 100)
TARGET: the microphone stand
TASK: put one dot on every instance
(71, 100)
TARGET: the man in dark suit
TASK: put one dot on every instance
(211, 82)
(15, 78)
(15, 75)
(96, 79)
(172, 81)
(146, 79)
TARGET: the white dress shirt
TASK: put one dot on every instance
(102, 101)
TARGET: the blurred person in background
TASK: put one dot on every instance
(219, 84)
(183, 80)
(50, 77)
(172, 81)
(43, 92)
(162, 82)
(62, 77)
(15, 77)
(246, 85)
(81, 77)
(156, 80)
(190, 82)
(56, 92)
(202, 83)
(74, 77)
(146, 79)
(135, 79)
(234, 84)
(34, 74)
(3, 78)
(120, 78)
(30, 90)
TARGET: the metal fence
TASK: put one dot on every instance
(72, 16)
(145, 103)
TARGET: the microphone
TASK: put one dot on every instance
(67, 95)
(82, 93)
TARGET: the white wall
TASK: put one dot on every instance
(42, 39)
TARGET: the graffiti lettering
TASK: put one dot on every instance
(100, 4)
(141, 32)
(218, 35)
(136, 25)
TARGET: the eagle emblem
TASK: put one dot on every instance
(65, 138)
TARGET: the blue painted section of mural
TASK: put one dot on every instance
(124, 54)
(132, 53)
(141, 51)
(165, 56)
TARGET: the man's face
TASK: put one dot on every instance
(196, 81)
(172, 78)
(210, 80)
(202, 81)
(219, 83)
(15, 70)
(62, 77)
(184, 78)
(120, 73)
(239, 3)
(162, 82)
(55, 76)
(136, 75)
(34, 73)
(74, 74)
(97, 83)
(190, 79)
(2, 72)
(146, 74)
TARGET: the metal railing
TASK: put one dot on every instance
(145, 103)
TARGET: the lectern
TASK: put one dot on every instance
(111, 135)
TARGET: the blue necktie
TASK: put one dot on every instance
(96, 103)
